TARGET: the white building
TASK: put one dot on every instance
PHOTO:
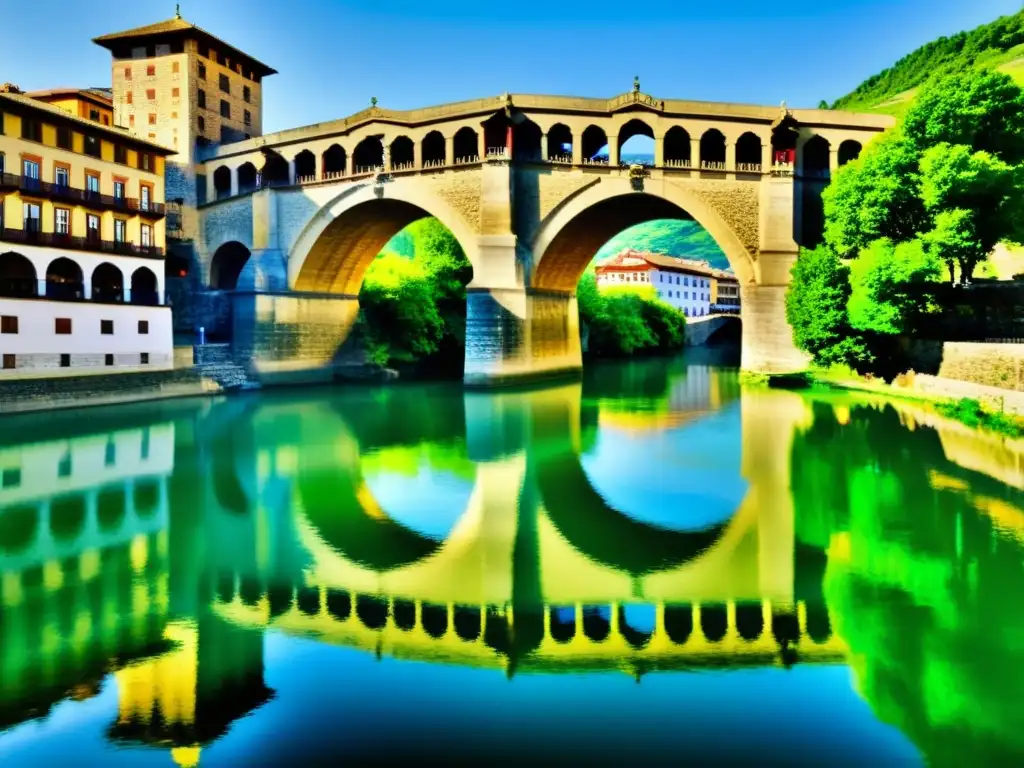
(689, 286)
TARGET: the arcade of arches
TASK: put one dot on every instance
(530, 192)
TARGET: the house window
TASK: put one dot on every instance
(108, 359)
(11, 477)
(9, 361)
(202, 124)
(131, 120)
(30, 213)
(92, 227)
(225, 84)
(107, 328)
(92, 183)
(225, 109)
(175, 93)
(145, 161)
(147, 235)
(91, 146)
(94, 115)
(64, 138)
(151, 94)
(65, 362)
(175, 67)
(248, 117)
(202, 71)
(61, 176)
(127, 73)
(62, 221)
(120, 230)
(144, 358)
(9, 324)
(152, 118)
(150, 70)
(144, 327)
(128, 98)
(201, 98)
(246, 93)
(31, 129)
(120, 154)
(62, 326)
(145, 196)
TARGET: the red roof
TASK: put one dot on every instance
(642, 261)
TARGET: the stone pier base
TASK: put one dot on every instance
(516, 336)
(767, 338)
(288, 337)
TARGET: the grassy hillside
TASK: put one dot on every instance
(998, 45)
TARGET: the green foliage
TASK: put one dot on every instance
(882, 298)
(946, 176)
(670, 237)
(414, 308)
(816, 308)
(980, 47)
(973, 414)
(627, 321)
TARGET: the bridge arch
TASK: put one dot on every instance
(227, 264)
(342, 239)
(569, 237)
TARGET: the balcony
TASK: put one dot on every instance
(72, 243)
(60, 192)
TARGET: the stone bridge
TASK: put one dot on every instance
(531, 186)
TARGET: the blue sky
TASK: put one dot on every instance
(333, 55)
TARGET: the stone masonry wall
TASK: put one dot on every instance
(992, 365)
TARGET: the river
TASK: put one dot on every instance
(653, 565)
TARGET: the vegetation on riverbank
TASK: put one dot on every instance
(929, 199)
(627, 321)
(413, 307)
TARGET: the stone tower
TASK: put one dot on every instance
(182, 87)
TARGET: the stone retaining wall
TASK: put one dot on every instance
(990, 365)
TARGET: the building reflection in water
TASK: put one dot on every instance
(162, 553)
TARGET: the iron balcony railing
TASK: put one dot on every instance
(52, 191)
(73, 243)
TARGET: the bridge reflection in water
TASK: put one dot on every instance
(165, 558)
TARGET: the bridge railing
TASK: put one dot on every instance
(560, 159)
(748, 167)
(467, 160)
(403, 166)
(595, 161)
(712, 165)
(497, 153)
(681, 162)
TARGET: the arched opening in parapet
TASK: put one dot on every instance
(308, 600)
(146, 498)
(467, 622)
(749, 620)
(678, 623)
(222, 182)
(227, 264)
(712, 150)
(562, 623)
(594, 144)
(247, 178)
(560, 143)
(637, 623)
(372, 611)
(17, 276)
(339, 604)
(433, 150)
(466, 145)
(597, 623)
(111, 506)
(144, 287)
(275, 170)
(403, 613)
(368, 156)
(526, 140)
(107, 284)
(402, 153)
(434, 619)
(334, 160)
(64, 280)
(816, 158)
(678, 148)
(18, 528)
(849, 151)
(714, 621)
(785, 132)
(748, 153)
(636, 143)
(497, 134)
(305, 166)
(67, 518)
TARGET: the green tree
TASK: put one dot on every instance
(400, 318)
(883, 278)
(816, 308)
(627, 320)
(823, 104)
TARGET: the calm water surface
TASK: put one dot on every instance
(652, 566)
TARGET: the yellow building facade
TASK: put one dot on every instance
(82, 226)
(93, 104)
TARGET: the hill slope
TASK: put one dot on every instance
(998, 45)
